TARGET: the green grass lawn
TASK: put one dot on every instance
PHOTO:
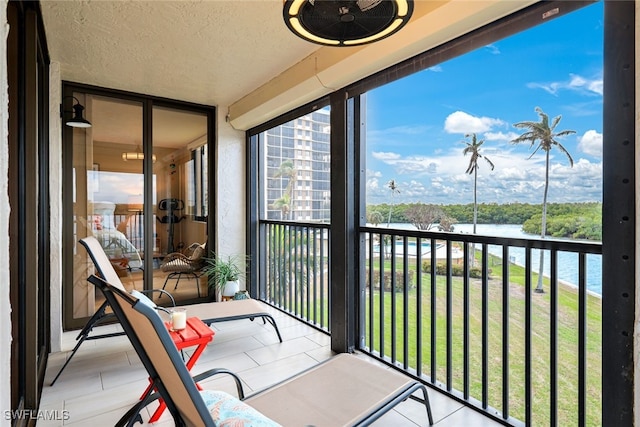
(567, 336)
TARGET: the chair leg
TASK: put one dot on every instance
(197, 279)
(169, 276)
(177, 281)
(73, 352)
(84, 333)
(179, 276)
(273, 323)
(425, 402)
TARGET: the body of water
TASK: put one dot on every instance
(567, 261)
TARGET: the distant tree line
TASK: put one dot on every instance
(573, 220)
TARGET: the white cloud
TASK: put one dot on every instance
(435, 69)
(576, 82)
(440, 178)
(380, 155)
(493, 49)
(500, 136)
(372, 184)
(591, 143)
(461, 122)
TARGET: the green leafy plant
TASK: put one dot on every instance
(220, 270)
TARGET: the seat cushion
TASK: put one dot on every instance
(178, 266)
(228, 411)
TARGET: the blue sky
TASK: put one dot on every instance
(415, 126)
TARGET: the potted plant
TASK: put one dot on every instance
(224, 273)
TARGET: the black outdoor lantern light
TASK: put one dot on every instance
(77, 121)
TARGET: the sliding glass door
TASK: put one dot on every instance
(137, 180)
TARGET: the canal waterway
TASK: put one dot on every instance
(567, 261)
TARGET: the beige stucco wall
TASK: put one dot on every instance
(230, 180)
(5, 307)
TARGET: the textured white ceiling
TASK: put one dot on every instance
(238, 54)
(210, 52)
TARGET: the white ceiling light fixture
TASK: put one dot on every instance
(346, 23)
(136, 155)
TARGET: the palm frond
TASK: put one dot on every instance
(490, 162)
(564, 150)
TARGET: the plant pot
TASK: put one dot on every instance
(241, 295)
(230, 288)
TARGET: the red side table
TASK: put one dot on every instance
(195, 334)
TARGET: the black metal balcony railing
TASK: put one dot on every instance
(456, 312)
(297, 270)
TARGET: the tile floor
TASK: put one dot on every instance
(106, 377)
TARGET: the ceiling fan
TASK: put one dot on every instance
(346, 23)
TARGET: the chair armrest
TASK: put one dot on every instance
(161, 291)
(215, 371)
(173, 256)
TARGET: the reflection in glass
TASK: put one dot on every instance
(180, 201)
(107, 195)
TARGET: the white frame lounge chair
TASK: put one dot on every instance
(342, 391)
(209, 312)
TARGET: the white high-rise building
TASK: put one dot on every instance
(298, 169)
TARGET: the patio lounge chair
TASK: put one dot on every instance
(342, 391)
(209, 312)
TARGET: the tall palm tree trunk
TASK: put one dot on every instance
(475, 200)
(475, 214)
(539, 289)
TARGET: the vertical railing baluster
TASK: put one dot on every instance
(528, 392)
(449, 316)
(485, 328)
(371, 293)
(290, 270)
(308, 275)
(314, 270)
(405, 306)
(327, 302)
(381, 298)
(279, 265)
(419, 307)
(434, 313)
(300, 280)
(582, 339)
(392, 279)
(298, 271)
(465, 314)
(554, 339)
(505, 332)
(323, 279)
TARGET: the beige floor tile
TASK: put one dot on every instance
(466, 417)
(283, 350)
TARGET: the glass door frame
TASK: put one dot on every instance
(147, 102)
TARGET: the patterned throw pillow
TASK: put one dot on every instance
(228, 411)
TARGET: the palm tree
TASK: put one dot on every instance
(286, 170)
(393, 186)
(375, 218)
(545, 135)
(284, 204)
(473, 147)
